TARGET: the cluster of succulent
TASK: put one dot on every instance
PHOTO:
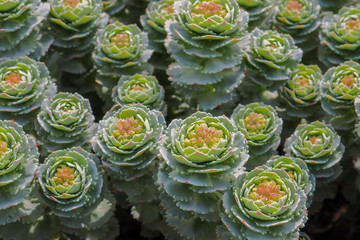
(21, 32)
(203, 119)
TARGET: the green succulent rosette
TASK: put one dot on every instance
(261, 12)
(120, 50)
(200, 156)
(19, 160)
(301, 19)
(261, 127)
(297, 170)
(301, 93)
(71, 184)
(24, 84)
(319, 146)
(207, 40)
(21, 32)
(73, 24)
(340, 36)
(271, 57)
(264, 204)
(142, 89)
(127, 143)
(340, 87)
(112, 7)
(65, 121)
(153, 22)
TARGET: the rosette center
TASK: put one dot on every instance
(121, 40)
(208, 9)
(203, 136)
(267, 192)
(255, 122)
(64, 176)
(127, 128)
(13, 78)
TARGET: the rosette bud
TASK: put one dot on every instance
(261, 127)
(319, 146)
(340, 37)
(340, 87)
(65, 121)
(271, 57)
(301, 93)
(139, 89)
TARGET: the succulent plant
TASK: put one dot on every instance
(19, 160)
(120, 50)
(127, 142)
(301, 19)
(139, 89)
(297, 170)
(113, 7)
(339, 89)
(261, 127)
(200, 156)
(264, 204)
(271, 57)
(157, 13)
(65, 121)
(20, 29)
(72, 186)
(207, 40)
(357, 111)
(24, 84)
(301, 93)
(73, 23)
(340, 37)
(261, 12)
(319, 146)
